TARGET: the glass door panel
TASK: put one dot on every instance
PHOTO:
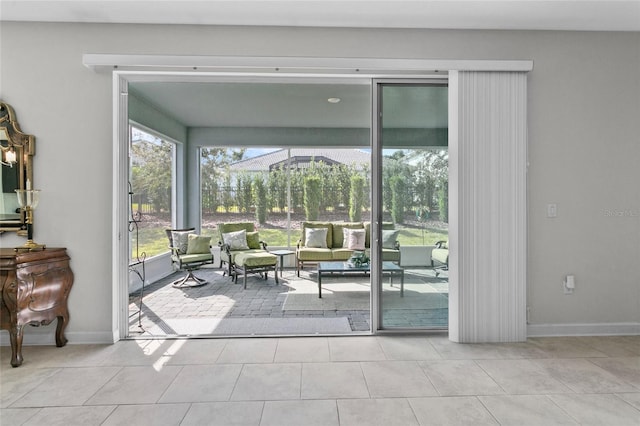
(413, 201)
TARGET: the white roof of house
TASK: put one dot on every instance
(263, 162)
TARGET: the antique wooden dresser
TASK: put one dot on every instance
(35, 287)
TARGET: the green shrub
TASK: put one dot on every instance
(443, 200)
(312, 196)
(398, 191)
(260, 197)
(356, 198)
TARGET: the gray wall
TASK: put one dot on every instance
(584, 147)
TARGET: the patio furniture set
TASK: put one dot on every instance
(329, 245)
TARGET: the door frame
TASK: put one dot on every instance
(376, 197)
(125, 68)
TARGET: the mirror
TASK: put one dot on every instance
(16, 150)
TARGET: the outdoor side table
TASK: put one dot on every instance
(281, 254)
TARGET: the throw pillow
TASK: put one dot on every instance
(389, 238)
(236, 240)
(181, 240)
(253, 240)
(316, 237)
(198, 244)
(345, 237)
(354, 239)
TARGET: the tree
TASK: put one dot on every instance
(356, 198)
(395, 166)
(341, 176)
(323, 171)
(245, 193)
(277, 184)
(214, 171)
(297, 188)
(424, 189)
(151, 171)
(398, 191)
(312, 196)
(227, 193)
(433, 180)
(260, 197)
(443, 200)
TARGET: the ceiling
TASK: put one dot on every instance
(288, 105)
(198, 104)
(572, 15)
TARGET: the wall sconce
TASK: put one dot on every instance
(28, 201)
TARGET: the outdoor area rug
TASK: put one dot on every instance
(249, 326)
(348, 293)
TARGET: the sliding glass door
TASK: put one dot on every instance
(411, 155)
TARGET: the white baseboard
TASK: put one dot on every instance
(533, 330)
(44, 339)
(605, 329)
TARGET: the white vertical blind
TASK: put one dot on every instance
(488, 139)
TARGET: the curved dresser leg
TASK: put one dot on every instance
(15, 336)
(61, 340)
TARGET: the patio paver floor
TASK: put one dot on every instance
(222, 299)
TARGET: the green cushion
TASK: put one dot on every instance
(198, 244)
(341, 254)
(225, 257)
(338, 233)
(253, 240)
(441, 255)
(389, 238)
(191, 258)
(390, 255)
(251, 260)
(367, 227)
(314, 254)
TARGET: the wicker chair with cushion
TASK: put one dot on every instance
(242, 252)
(189, 252)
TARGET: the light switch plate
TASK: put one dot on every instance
(552, 210)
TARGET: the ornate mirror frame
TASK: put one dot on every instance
(17, 150)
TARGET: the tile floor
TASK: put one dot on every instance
(352, 380)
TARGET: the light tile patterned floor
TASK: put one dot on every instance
(353, 380)
(221, 299)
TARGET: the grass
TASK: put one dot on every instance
(153, 241)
